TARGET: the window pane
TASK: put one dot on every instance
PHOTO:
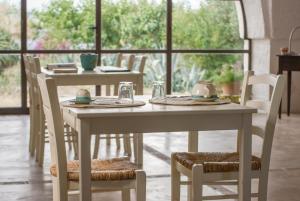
(134, 24)
(224, 70)
(205, 24)
(155, 67)
(10, 26)
(61, 24)
(66, 91)
(10, 81)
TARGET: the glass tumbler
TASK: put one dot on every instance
(158, 90)
(126, 91)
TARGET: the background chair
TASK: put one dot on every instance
(222, 168)
(32, 104)
(38, 123)
(135, 63)
(113, 175)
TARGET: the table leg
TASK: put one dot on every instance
(84, 140)
(192, 147)
(139, 149)
(193, 141)
(289, 92)
(98, 90)
(245, 159)
(140, 85)
(280, 106)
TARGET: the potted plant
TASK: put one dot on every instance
(229, 80)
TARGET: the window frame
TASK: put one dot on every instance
(168, 51)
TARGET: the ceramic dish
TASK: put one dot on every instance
(81, 102)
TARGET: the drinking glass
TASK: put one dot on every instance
(126, 91)
(158, 90)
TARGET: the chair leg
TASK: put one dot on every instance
(31, 134)
(126, 195)
(41, 143)
(175, 181)
(140, 185)
(118, 142)
(238, 143)
(197, 183)
(127, 144)
(193, 138)
(59, 194)
(68, 135)
(108, 139)
(263, 187)
(135, 141)
(96, 147)
(55, 189)
(75, 143)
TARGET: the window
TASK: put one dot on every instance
(184, 40)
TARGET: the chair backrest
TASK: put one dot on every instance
(269, 107)
(28, 70)
(55, 127)
(142, 64)
(129, 59)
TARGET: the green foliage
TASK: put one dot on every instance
(213, 26)
(228, 74)
(127, 25)
(7, 42)
(62, 24)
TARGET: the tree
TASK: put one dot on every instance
(63, 24)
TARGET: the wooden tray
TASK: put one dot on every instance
(186, 101)
(104, 102)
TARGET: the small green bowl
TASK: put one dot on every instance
(83, 100)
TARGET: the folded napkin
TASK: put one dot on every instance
(65, 70)
(113, 69)
(61, 65)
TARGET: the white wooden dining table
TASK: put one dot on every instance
(97, 78)
(152, 118)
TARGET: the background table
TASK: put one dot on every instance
(288, 63)
(157, 118)
(97, 78)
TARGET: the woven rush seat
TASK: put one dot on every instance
(101, 170)
(214, 162)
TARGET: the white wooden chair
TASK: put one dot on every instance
(129, 62)
(32, 104)
(126, 138)
(37, 118)
(107, 175)
(222, 168)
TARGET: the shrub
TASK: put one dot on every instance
(6, 43)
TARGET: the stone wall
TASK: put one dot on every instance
(269, 23)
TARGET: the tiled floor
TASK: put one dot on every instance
(22, 179)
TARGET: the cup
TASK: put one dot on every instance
(126, 92)
(158, 90)
(88, 61)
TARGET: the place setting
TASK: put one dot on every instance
(125, 99)
(203, 93)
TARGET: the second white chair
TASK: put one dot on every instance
(222, 168)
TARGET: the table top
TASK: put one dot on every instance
(288, 55)
(81, 72)
(153, 110)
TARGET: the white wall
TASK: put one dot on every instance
(269, 25)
